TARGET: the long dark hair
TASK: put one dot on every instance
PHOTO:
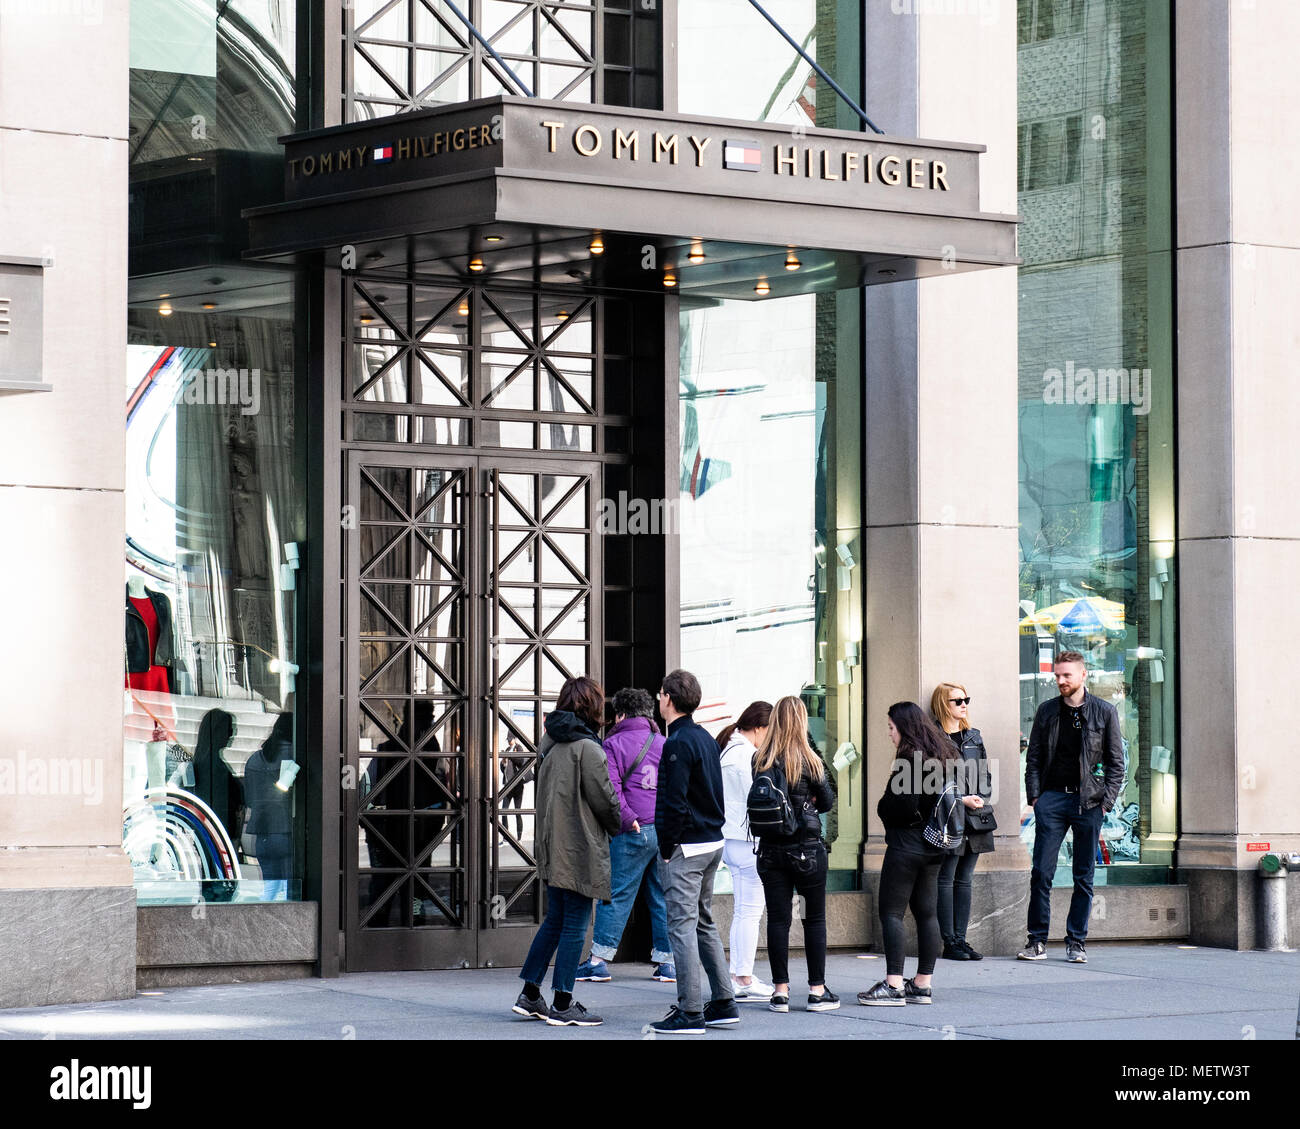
(917, 733)
(755, 716)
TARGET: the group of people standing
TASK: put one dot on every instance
(669, 808)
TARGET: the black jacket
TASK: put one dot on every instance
(1102, 749)
(976, 781)
(809, 798)
(913, 789)
(688, 805)
(137, 635)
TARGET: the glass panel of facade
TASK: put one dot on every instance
(771, 414)
(213, 778)
(1097, 573)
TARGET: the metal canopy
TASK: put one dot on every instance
(508, 189)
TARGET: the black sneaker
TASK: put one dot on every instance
(721, 1013)
(1074, 952)
(1033, 950)
(955, 950)
(827, 1001)
(778, 1003)
(575, 1015)
(677, 1022)
(881, 994)
(530, 1009)
(914, 995)
(971, 954)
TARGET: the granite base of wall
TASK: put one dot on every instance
(205, 975)
(67, 945)
(184, 946)
(848, 925)
(1225, 907)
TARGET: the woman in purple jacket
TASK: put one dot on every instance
(632, 749)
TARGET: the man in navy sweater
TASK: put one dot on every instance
(689, 818)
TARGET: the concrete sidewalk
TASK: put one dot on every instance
(1125, 992)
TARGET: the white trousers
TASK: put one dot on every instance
(747, 904)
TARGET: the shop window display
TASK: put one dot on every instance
(1097, 572)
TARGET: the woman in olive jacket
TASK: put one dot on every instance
(949, 705)
(577, 813)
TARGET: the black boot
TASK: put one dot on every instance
(952, 950)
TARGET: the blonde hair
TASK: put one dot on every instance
(787, 739)
(942, 710)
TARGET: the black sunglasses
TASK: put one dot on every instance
(1076, 718)
(959, 701)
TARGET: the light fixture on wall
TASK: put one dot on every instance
(844, 571)
(1153, 655)
(792, 261)
(852, 653)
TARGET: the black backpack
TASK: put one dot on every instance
(768, 805)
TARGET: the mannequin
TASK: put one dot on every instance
(148, 638)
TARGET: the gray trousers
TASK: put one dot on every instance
(688, 892)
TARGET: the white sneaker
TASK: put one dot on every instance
(754, 990)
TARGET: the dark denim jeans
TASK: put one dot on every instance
(954, 894)
(1054, 814)
(561, 935)
(632, 855)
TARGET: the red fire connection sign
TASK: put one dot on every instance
(1257, 846)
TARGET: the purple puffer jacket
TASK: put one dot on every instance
(622, 747)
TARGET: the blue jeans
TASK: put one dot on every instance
(560, 935)
(630, 856)
(1054, 814)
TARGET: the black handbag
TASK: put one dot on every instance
(980, 819)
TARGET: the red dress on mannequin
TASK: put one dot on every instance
(155, 678)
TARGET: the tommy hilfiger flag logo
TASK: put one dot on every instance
(741, 154)
(381, 154)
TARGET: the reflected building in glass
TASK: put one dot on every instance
(469, 348)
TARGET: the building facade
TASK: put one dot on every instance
(468, 347)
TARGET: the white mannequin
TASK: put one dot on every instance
(135, 586)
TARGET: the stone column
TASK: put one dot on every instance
(941, 559)
(1237, 93)
(67, 903)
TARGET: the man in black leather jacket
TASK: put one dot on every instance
(1074, 770)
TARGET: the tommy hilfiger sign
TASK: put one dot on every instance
(431, 144)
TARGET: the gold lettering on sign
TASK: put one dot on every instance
(631, 142)
(850, 165)
(327, 162)
(826, 168)
(937, 171)
(4, 314)
(293, 166)
(361, 155)
(787, 160)
(916, 173)
(700, 146)
(552, 128)
(666, 146)
(807, 162)
(891, 169)
(594, 140)
(309, 166)
(458, 140)
(473, 137)
(484, 135)
(426, 147)
(345, 159)
(403, 148)
(867, 162)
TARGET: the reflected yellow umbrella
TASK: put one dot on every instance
(1086, 616)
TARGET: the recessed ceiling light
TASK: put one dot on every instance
(374, 256)
(762, 287)
(365, 319)
(463, 308)
(792, 261)
(670, 280)
(476, 264)
(563, 315)
(209, 305)
(165, 309)
(597, 246)
(494, 238)
(697, 252)
(212, 344)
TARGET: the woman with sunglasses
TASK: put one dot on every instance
(949, 705)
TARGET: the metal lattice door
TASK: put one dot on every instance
(471, 595)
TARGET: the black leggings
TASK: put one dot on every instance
(954, 895)
(908, 877)
(783, 870)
